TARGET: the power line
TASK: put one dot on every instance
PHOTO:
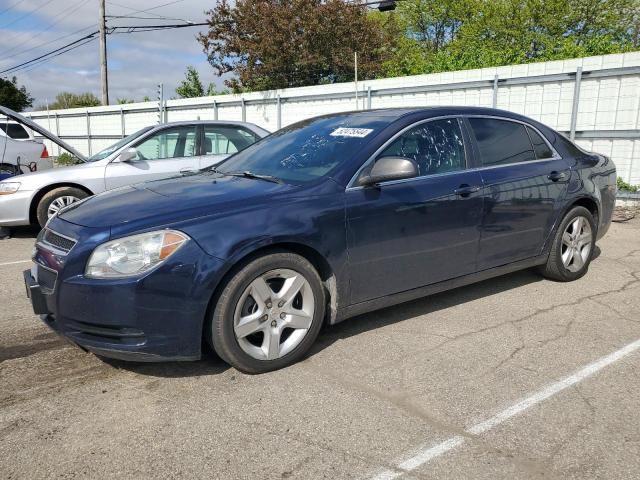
(75, 42)
(10, 7)
(26, 14)
(46, 43)
(49, 27)
(35, 64)
(127, 29)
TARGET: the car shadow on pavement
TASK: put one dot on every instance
(423, 306)
(24, 232)
(209, 364)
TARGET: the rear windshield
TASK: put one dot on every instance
(14, 130)
(308, 150)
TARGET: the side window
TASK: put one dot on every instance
(174, 142)
(501, 141)
(225, 140)
(539, 145)
(15, 131)
(437, 147)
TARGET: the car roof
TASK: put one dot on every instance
(209, 122)
(429, 111)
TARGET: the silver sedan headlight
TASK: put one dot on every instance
(7, 188)
(134, 255)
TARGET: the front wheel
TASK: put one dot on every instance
(572, 247)
(269, 313)
(57, 199)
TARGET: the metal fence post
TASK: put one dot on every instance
(215, 110)
(495, 91)
(57, 130)
(279, 112)
(122, 129)
(244, 109)
(369, 98)
(576, 102)
(88, 132)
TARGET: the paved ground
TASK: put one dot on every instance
(379, 394)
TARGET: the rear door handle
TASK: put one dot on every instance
(187, 171)
(557, 176)
(465, 190)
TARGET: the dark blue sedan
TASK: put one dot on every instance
(323, 220)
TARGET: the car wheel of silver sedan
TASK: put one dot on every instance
(572, 247)
(59, 203)
(55, 200)
(269, 313)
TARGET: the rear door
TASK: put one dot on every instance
(524, 183)
(162, 154)
(221, 141)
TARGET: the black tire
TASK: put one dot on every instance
(221, 334)
(50, 197)
(555, 269)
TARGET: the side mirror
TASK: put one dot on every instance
(390, 168)
(128, 155)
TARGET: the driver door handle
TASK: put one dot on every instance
(465, 190)
(557, 176)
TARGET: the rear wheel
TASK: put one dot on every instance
(57, 199)
(572, 247)
(269, 314)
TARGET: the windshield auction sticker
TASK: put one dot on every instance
(351, 132)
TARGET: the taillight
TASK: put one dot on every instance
(45, 153)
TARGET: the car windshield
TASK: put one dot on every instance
(308, 150)
(120, 143)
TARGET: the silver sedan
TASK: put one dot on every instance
(149, 154)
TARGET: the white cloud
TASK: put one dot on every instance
(137, 62)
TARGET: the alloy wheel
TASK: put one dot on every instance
(274, 314)
(577, 240)
(60, 203)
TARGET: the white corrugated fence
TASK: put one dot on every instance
(596, 100)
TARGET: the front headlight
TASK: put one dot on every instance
(134, 255)
(7, 188)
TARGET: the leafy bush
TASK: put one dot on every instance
(65, 159)
(626, 187)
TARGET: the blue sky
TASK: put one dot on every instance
(137, 62)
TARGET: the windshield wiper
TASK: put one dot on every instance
(249, 174)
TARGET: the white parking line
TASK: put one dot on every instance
(14, 263)
(429, 453)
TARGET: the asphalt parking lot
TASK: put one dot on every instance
(515, 377)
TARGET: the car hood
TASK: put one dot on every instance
(171, 200)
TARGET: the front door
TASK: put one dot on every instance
(410, 233)
(162, 154)
(525, 183)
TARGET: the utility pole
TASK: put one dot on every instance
(102, 29)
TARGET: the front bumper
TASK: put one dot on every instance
(157, 317)
(14, 209)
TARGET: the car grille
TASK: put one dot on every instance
(58, 241)
(47, 279)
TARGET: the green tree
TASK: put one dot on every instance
(460, 34)
(73, 100)
(268, 44)
(192, 86)
(14, 97)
